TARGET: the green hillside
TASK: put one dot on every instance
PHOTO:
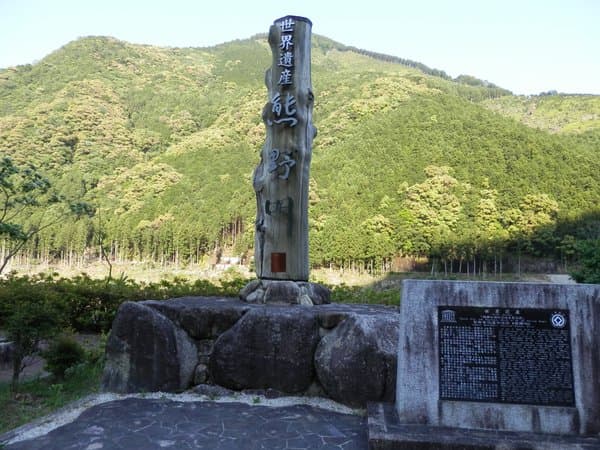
(555, 113)
(407, 161)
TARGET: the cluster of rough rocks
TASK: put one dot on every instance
(345, 352)
(285, 292)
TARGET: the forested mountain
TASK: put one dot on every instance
(552, 112)
(163, 142)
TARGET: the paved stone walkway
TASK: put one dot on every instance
(147, 424)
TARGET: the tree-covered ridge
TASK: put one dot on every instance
(555, 113)
(164, 141)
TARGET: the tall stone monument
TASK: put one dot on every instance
(281, 179)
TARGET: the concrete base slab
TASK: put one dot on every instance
(386, 433)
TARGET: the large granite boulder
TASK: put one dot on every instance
(201, 317)
(267, 348)
(146, 352)
(356, 362)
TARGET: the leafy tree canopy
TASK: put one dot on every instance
(163, 141)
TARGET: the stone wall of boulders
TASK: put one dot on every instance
(344, 352)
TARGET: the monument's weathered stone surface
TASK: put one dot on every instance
(505, 349)
(147, 352)
(361, 348)
(155, 346)
(267, 349)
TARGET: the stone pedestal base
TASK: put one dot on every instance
(285, 292)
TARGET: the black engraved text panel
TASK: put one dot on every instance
(505, 355)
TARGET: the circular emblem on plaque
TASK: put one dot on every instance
(558, 320)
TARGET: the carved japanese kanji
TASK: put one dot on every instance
(281, 179)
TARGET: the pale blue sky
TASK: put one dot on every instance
(527, 46)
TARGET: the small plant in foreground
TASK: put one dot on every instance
(64, 352)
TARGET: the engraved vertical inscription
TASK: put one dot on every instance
(505, 355)
(282, 177)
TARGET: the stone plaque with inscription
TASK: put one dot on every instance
(505, 355)
(519, 357)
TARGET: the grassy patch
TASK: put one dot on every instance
(365, 295)
(39, 397)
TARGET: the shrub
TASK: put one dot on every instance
(30, 312)
(589, 262)
(64, 352)
(90, 305)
